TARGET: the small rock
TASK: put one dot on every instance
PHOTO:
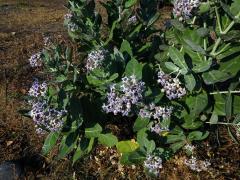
(9, 143)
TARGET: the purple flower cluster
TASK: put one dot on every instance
(158, 129)
(121, 100)
(157, 112)
(189, 147)
(95, 59)
(184, 8)
(36, 60)
(68, 16)
(38, 89)
(70, 24)
(171, 86)
(197, 165)
(45, 118)
(72, 27)
(152, 164)
(132, 20)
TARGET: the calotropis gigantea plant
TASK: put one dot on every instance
(167, 85)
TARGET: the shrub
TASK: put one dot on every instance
(168, 85)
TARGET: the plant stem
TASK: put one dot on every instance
(230, 25)
(215, 46)
(194, 19)
(222, 50)
(225, 92)
(213, 52)
(221, 123)
(204, 40)
(218, 20)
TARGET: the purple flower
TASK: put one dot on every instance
(122, 100)
(152, 164)
(158, 129)
(197, 165)
(45, 118)
(184, 8)
(155, 112)
(36, 60)
(132, 20)
(171, 86)
(95, 59)
(68, 16)
(38, 89)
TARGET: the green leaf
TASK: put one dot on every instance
(84, 147)
(126, 47)
(215, 76)
(135, 31)
(228, 105)
(127, 146)
(68, 54)
(61, 78)
(202, 66)
(231, 67)
(94, 131)
(226, 70)
(203, 32)
(175, 138)
(125, 159)
(67, 144)
(236, 104)
(228, 52)
(144, 142)
(190, 82)
(69, 87)
(176, 146)
(197, 136)
(178, 59)
(214, 118)
(171, 66)
(25, 113)
(219, 105)
(204, 7)
(194, 46)
(130, 3)
(179, 26)
(235, 7)
(111, 32)
(197, 103)
(108, 139)
(140, 123)
(136, 157)
(134, 68)
(192, 125)
(153, 19)
(49, 142)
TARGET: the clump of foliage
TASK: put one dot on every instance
(171, 84)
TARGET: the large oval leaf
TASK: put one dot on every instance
(49, 143)
(178, 59)
(93, 131)
(197, 103)
(127, 146)
(108, 139)
(134, 68)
